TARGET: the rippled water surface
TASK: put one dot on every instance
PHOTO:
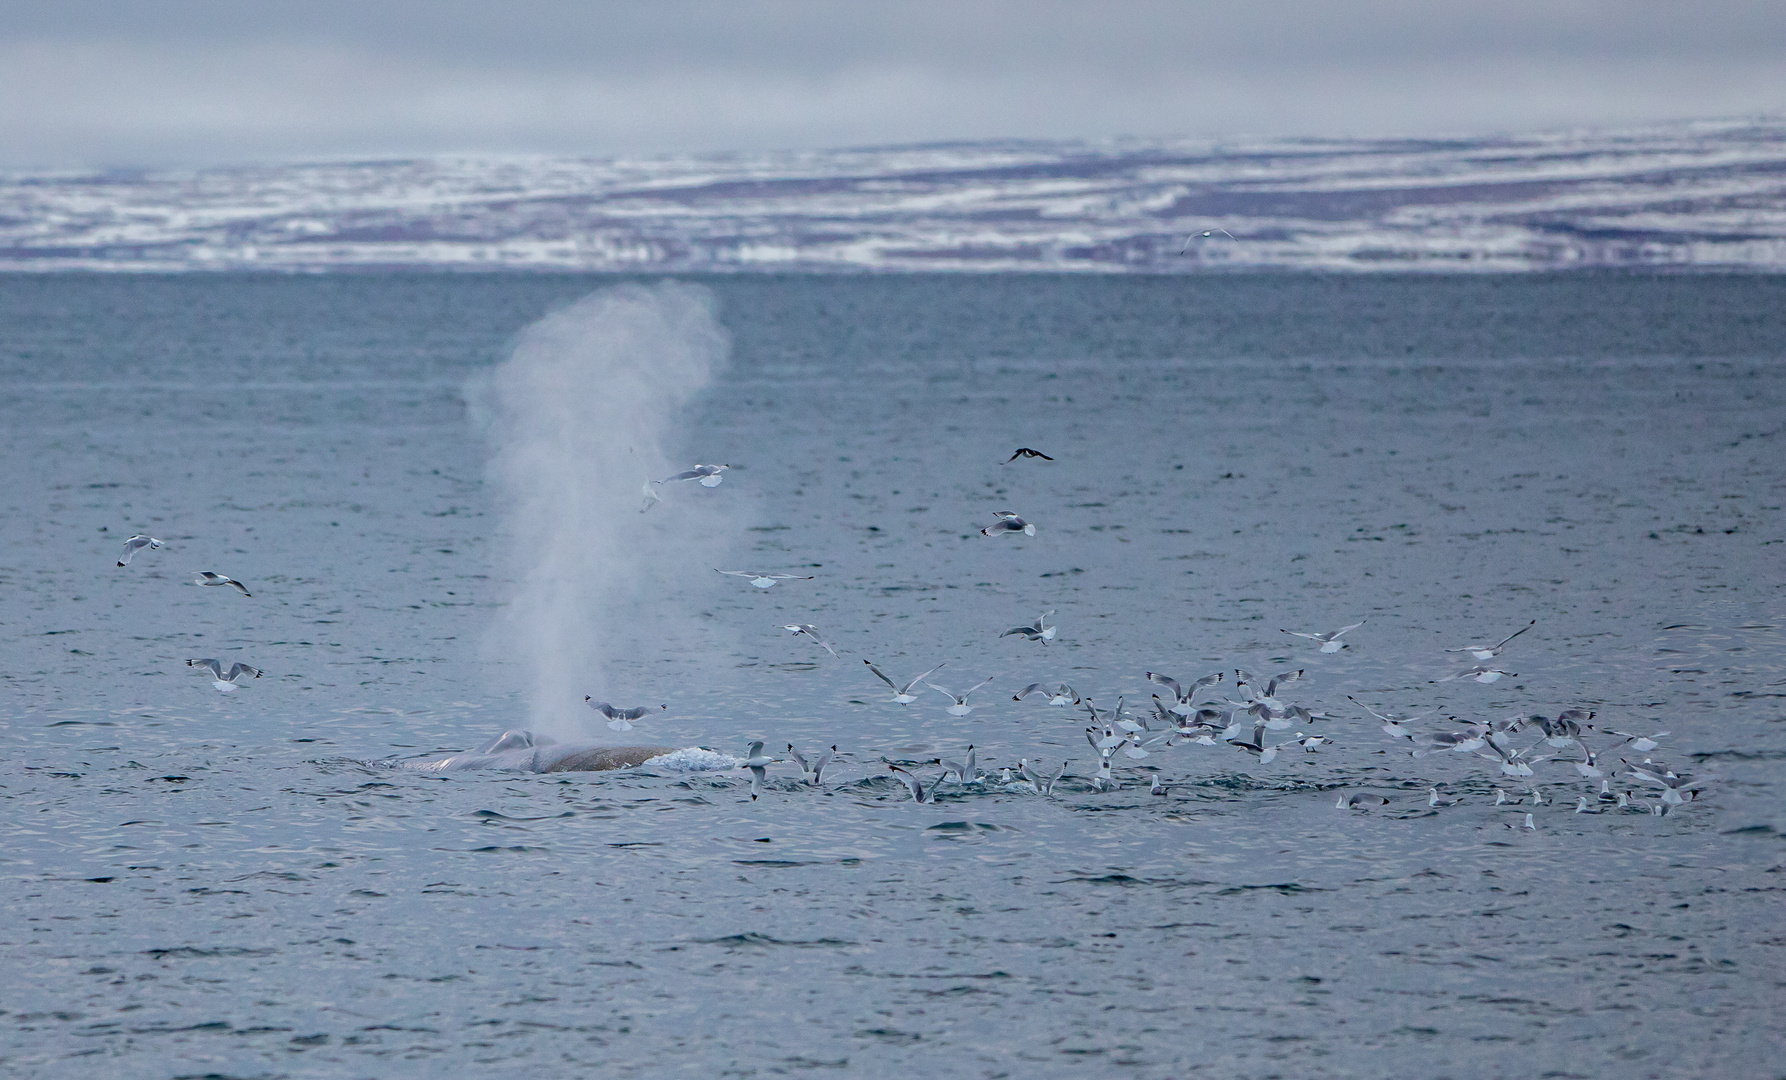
(245, 885)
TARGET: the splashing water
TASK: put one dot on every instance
(577, 417)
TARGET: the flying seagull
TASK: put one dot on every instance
(901, 694)
(961, 707)
(1204, 235)
(618, 719)
(1060, 695)
(810, 631)
(708, 475)
(1036, 631)
(1489, 652)
(764, 581)
(1330, 641)
(758, 766)
(136, 544)
(1183, 705)
(225, 683)
(1480, 674)
(205, 577)
(1024, 451)
(1008, 523)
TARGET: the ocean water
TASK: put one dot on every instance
(254, 885)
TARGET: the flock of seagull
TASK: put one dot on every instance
(1245, 721)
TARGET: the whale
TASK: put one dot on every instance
(530, 751)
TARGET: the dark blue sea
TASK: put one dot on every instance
(434, 487)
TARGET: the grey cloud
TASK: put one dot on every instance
(113, 82)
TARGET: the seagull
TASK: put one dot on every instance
(758, 766)
(901, 694)
(136, 544)
(1183, 706)
(1489, 652)
(1512, 761)
(920, 793)
(1060, 695)
(1330, 641)
(1158, 788)
(1433, 800)
(964, 772)
(1530, 824)
(205, 577)
(1359, 801)
(1581, 805)
(1044, 785)
(1480, 674)
(225, 684)
(961, 707)
(652, 498)
(1392, 724)
(1643, 744)
(618, 719)
(1204, 235)
(812, 632)
(764, 581)
(1673, 787)
(1026, 452)
(1036, 631)
(1008, 523)
(1566, 728)
(811, 773)
(708, 475)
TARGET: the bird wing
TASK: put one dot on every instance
(976, 686)
(799, 758)
(691, 474)
(736, 573)
(1168, 682)
(756, 748)
(243, 589)
(1298, 633)
(1026, 691)
(216, 668)
(239, 669)
(1345, 629)
(882, 676)
(1503, 642)
(602, 707)
(946, 693)
(824, 759)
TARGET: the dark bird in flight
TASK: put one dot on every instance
(1024, 451)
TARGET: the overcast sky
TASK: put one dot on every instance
(113, 83)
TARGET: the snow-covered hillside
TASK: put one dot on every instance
(1688, 195)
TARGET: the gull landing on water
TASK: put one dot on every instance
(902, 694)
(921, 792)
(1489, 652)
(811, 772)
(225, 683)
(1036, 631)
(763, 581)
(618, 719)
(1330, 641)
(810, 631)
(708, 475)
(1060, 695)
(1008, 523)
(136, 544)
(961, 707)
(205, 577)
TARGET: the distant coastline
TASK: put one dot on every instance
(1700, 196)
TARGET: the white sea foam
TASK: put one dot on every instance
(691, 759)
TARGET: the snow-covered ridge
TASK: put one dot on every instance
(1688, 195)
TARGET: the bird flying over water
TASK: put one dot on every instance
(1026, 452)
(1060, 695)
(961, 707)
(1330, 642)
(1205, 235)
(764, 581)
(758, 765)
(810, 631)
(902, 694)
(708, 475)
(1036, 631)
(1008, 523)
(205, 577)
(1489, 652)
(136, 544)
(619, 719)
(1183, 706)
(813, 771)
(1480, 674)
(225, 683)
